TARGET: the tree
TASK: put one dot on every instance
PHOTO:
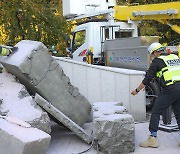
(33, 20)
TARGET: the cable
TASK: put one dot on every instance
(92, 143)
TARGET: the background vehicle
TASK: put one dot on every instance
(113, 40)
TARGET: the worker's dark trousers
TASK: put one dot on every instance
(164, 100)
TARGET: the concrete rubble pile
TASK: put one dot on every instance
(40, 74)
(113, 128)
(43, 77)
(83, 134)
(17, 111)
(15, 101)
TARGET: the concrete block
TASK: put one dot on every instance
(41, 74)
(63, 119)
(15, 139)
(113, 128)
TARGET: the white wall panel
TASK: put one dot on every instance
(138, 105)
(107, 86)
(99, 83)
(93, 85)
(80, 78)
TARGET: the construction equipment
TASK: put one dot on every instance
(114, 41)
(163, 12)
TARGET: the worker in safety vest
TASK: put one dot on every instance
(167, 68)
(7, 50)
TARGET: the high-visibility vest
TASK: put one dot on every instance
(171, 72)
(3, 51)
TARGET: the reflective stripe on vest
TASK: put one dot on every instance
(3, 52)
(171, 72)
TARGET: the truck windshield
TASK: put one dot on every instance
(79, 38)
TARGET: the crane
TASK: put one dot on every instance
(163, 13)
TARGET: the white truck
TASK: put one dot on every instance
(108, 34)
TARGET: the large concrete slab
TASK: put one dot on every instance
(19, 140)
(40, 73)
(63, 119)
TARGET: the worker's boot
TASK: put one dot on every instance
(150, 142)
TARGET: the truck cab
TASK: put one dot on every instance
(90, 36)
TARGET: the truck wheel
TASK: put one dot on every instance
(152, 90)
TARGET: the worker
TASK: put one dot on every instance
(167, 68)
(7, 50)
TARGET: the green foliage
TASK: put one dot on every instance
(39, 20)
(42, 20)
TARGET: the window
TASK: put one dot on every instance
(106, 33)
(79, 39)
(123, 34)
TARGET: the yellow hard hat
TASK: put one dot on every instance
(155, 47)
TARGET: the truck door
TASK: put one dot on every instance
(79, 45)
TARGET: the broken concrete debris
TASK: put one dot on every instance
(113, 128)
(41, 74)
(19, 140)
(63, 119)
(16, 102)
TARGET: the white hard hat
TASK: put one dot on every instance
(155, 47)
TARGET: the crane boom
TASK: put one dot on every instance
(163, 12)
